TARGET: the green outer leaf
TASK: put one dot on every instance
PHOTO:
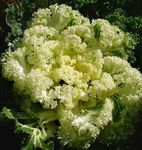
(117, 53)
(7, 112)
(37, 137)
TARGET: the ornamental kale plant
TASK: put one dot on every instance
(71, 81)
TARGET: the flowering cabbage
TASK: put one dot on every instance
(71, 75)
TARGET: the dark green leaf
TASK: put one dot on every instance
(97, 31)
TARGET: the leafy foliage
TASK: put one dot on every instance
(119, 117)
(69, 70)
(119, 12)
